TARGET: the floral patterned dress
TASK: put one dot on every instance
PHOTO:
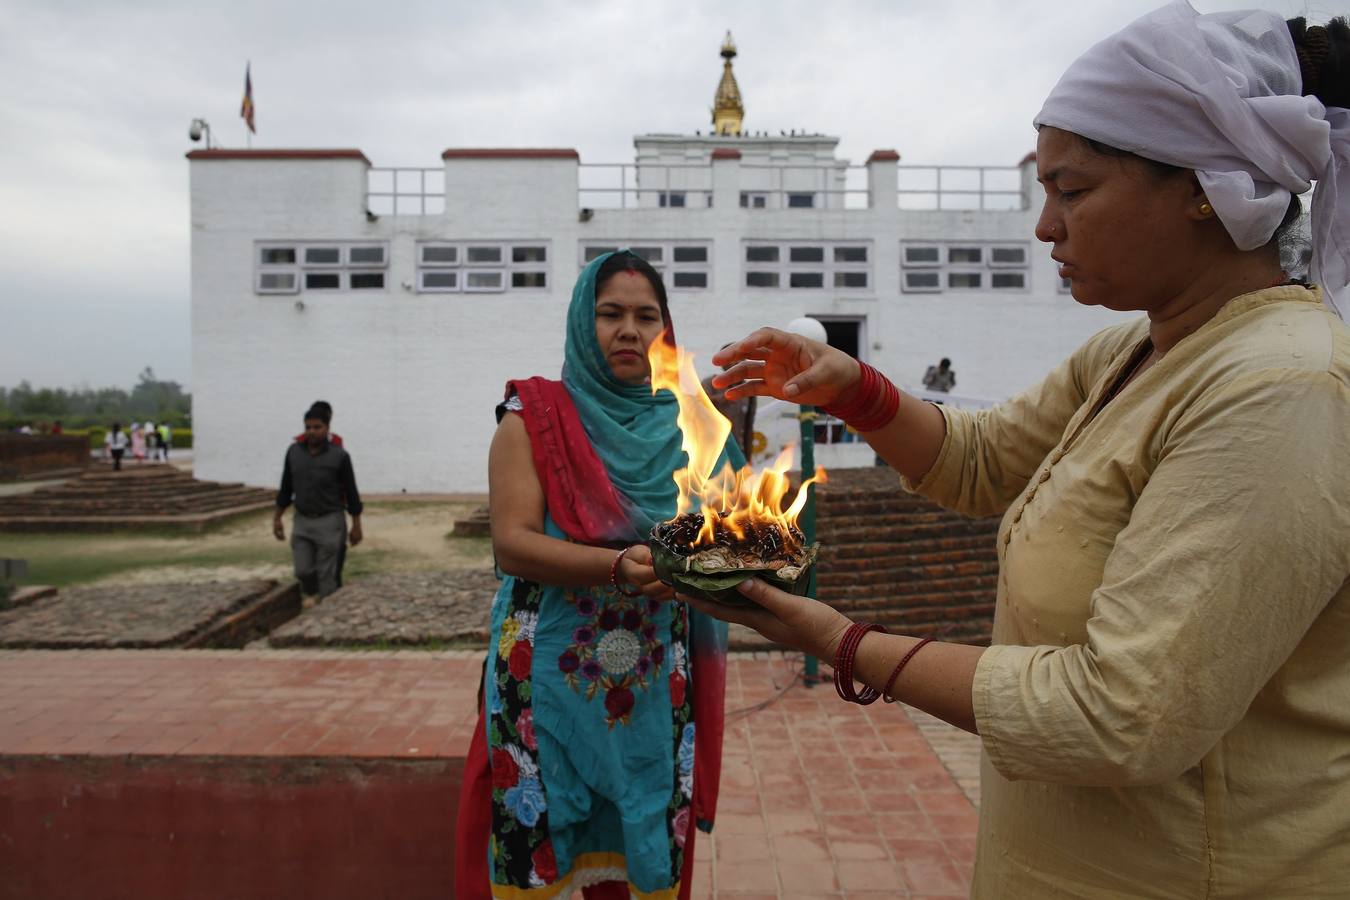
(590, 739)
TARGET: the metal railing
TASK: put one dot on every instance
(854, 193)
(961, 187)
(633, 186)
(405, 191)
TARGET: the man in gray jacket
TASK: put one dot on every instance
(317, 477)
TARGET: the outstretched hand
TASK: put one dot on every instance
(636, 569)
(797, 622)
(774, 363)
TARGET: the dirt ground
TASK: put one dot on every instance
(400, 536)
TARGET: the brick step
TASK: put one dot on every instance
(910, 553)
(871, 579)
(903, 518)
(163, 507)
(883, 540)
(955, 607)
(212, 497)
(897, 590)
(912, 545)
(861, 503)
(153, 489)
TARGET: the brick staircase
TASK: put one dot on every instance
(104, 500)
(894, 558)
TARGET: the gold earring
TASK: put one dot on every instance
(1205, 209)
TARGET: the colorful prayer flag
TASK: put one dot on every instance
(246, 108)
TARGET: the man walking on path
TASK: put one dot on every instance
(318, 477)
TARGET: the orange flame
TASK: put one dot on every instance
(729, 499)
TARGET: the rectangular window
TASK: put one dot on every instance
(372, 255)
(922, 256)
(850, 254)
(650, 254)
(692, 280)
(323, 281)
(851, 280)
(528, 254)
(816, 266)
(761, 254)
(801, 201)
(761, 279)
(484, 281)
(483, 256)
(323, 256)
(922, 281)
(672, 198)
(690, 254)
(281, 282)
(277, 256)
(527, 280)
(964, 266)
(594, 253)
(806, 254)
(434, 280)
(439, 255)
(753, 201)
(1008, 256)
(367, 281)
(806, 279)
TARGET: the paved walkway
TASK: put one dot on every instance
(819, 799)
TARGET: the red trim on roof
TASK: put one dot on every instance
(726, 153)
(883, 156)
(278, 154)
(510, 153)
(1029, 158)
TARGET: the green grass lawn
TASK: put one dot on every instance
(400, 536)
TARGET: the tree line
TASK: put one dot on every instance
(150, 399)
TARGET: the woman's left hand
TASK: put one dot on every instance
(797, 622)
(636, 569)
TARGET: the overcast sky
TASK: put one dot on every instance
(98, 97)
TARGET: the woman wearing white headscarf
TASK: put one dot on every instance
(1165, 711)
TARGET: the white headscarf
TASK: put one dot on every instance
(1221, 94)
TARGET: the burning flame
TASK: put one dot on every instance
(733, 500)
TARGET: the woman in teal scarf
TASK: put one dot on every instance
(599, 740)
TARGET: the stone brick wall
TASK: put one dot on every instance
(892, 557)
(23, 455)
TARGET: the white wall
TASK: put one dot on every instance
(414, 377)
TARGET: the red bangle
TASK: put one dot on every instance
(614, 575)
(904, 660)
(873, 406)
(843, 665)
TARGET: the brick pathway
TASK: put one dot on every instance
(819, 799)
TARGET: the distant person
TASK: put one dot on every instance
(165, 441)
(56, 427)
(317, 476)
(137, 442)
(941, 377)
(326, 408)
(26, 428)
(115, 443)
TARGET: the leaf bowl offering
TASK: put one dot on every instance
(711, 572)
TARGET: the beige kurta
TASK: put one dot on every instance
(1166, 709)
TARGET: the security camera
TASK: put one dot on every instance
(195, 130)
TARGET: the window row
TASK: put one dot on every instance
(932, 266)
(683, 265)
(288, 268)
(480, 267)
(808, 266)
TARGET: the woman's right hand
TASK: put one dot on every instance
(636, 569)
(775, 363)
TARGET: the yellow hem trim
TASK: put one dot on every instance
(582, 863)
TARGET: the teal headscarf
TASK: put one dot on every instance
(633, 431)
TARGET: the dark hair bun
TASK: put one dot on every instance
(1323, 59)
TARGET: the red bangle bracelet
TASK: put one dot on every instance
(614, 575)
(904, 660)
(873, 406)
(843, 665)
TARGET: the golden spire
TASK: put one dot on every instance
(728, 112)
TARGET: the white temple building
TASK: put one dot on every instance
(407, 297)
